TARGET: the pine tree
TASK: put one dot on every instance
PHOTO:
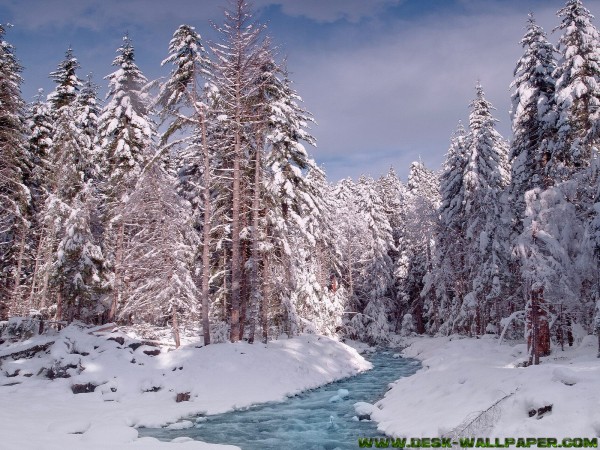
(374, 279)
(79, 269)
(292, 193)
(126, 135)
(486, 176)
(394, 196)
(182, 90)
(159, 255)
(239, 58)
(416, 245)
(446, 284)
(533, 117)
(68, 83)
(577, 91)
(14, 173)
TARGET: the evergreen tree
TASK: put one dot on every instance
(159, 254)
(486, 176)
(125, 129)
(79, 269)
(533, 117)
(375, 277)
(416, 243)
(14, 176)
(126, 135)
(182, 91)
(239, 59)
(577, 91)
(68, 83)
(447, 283)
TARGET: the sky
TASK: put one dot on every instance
(387, 80)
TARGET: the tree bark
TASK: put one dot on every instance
(264, 304)
(206, 224)
(255, 286)
(235, 242)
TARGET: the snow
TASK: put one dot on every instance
(138, 390)
(462, 377)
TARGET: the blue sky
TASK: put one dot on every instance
(387, 80)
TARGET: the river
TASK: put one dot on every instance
(320, 419)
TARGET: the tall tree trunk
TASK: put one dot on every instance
(255, 286)
(206, 225)
(245, 286)
(236, 271)
(264, 304)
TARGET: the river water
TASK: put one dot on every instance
(321, 419)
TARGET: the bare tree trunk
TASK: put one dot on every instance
(236, 271)
(255, 286)
(264, 304)
(245, 286)
(538, 341)
(206, 224)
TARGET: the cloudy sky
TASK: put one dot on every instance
(387, 80)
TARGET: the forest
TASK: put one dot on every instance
(192, 202)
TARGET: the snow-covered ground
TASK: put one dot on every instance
(463, 377)
(135, 389)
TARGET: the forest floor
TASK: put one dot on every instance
(480, 388)
(124, 386)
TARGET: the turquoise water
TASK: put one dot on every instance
(308, 421)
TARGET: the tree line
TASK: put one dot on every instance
(191, 201)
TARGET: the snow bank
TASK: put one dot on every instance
(461, 378)
(133, 389)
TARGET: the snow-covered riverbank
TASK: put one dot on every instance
(462, 377)
(136, 389)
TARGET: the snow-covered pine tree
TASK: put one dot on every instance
(14, 173)
(533, 118)
(79, 270)
(577, 92)
(352, 240)
(87, 114)
(39, 125)
(485, 179)
(416, 241)
(294, 198)
(126, 132)
(77, 265)
(374, 303)
(447, 283)
(394, 196)
(184, 102)
(40, 129)
(159, 254)
(238, 69)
